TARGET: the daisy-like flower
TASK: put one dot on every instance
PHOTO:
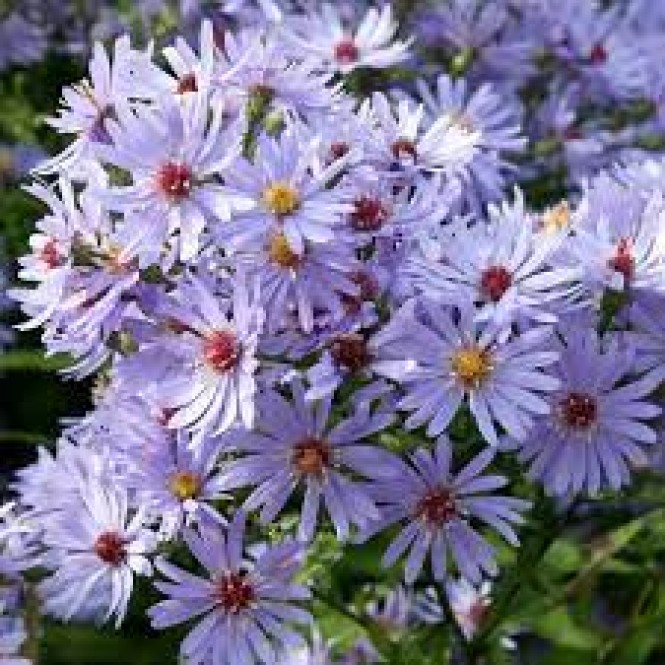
(618, 240)
(290, 190)
(372, 44)
(246, 602)
(260, 76)
(495, 122)
(503, 266)
(175, 484)
(212, 384)
(402, 145)
(435, 506)
(98, 548)
(595, 430)
(295, 445)
(297, 285)
(13, 635)
(175, 155)
(442, 357)
(88, 106)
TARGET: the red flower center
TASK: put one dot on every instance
(311, 456)
(578, 410)
(49, 254)
(234, 592)
(350, 350)
(404, 148)
(598, 54)
(368, 214)
(369, 289)
(494, 282)
(338, 149)
(437, 507)
(187, 84)
(221, 350)
(346, 52)
(623, 260)
(174, 180)
(110, 548)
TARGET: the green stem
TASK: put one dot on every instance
(25, 360)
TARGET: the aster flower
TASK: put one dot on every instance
(208, 379)
(595, 430)
(22, 41)
(503, 266)
(435, 506)
(469, 604)
(99, 548)
(246, 602)
(372, 44)
(495, 121)
(261, 77)
(175, 155)
(402, 145)
(442, 357)
(176, 485)
(617, 238)
(88, 106)
(290, 190)
(295, 446)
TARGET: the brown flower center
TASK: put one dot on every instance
(349, 350)
(338, 149)
(598, 54)
(187, 84)
(623, 261)
(494, 282)
(578, 410)
(221, 350)
(369, 214)
(404, 148)
(437, 507)
(110, 548)
(280, 252)
(234, 592)
(311, 456)
(174, 180)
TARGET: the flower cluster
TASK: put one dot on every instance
(311, 308)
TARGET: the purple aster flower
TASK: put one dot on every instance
(260, 76)
(98, 547)
(176, 485)
(290, 190)
(294, 446)
(205, 372)
(89, 106)
(402, 145)
(441, 357)
(435, 507)
(594, 431)
(495, 121)
(175, 155)
(299, 284)
(245, 602)
(618, 241)
(504, 266)
(372, 44)
(470, 604)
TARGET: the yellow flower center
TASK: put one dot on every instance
(281, 198)
(185, 485)
(471, 365)
(280, 252)
(556, 218)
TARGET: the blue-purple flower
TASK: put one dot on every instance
(437, 511)
(245, 603)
